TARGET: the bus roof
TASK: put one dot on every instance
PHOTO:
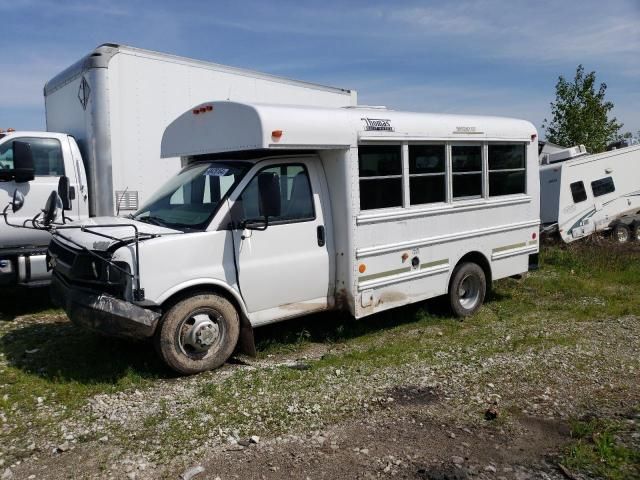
(217, 127)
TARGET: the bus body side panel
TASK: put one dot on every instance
(410, 254)
(336, 164)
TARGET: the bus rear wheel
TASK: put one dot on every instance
(467, 289)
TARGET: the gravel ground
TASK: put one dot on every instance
(424, 416)
(491, 397)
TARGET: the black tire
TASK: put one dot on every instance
(621, 233)
(467, 289)
(198, 333)
(636, 232)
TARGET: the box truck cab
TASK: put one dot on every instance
(285, 210)
(54, 155)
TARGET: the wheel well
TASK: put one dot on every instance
(206, 288)
(479, 259)
(620, 223)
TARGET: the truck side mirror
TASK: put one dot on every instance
(64, 191)
(51, 208)
(23, 162)
(269, 193)
(17, 201)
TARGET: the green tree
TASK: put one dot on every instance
(581, 114)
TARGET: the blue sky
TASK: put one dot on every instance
(485, 56)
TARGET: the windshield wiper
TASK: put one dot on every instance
(153, 220)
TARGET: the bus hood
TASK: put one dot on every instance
(88, 233)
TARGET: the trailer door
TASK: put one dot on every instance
(284, 269)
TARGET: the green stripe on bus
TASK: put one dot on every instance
(435, 263)
(397, 271)
(388, 273)
(509, 247)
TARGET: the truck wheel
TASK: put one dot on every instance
(636, 233)
(467, 289)
(621, 233)
(198, 333)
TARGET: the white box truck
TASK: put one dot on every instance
(112, 107)
(285, 210)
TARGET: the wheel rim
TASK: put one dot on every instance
(469, 291)
(200, 332)
(622, 235)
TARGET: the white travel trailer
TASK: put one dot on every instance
(593, 193)
(285, 210)
(113, 106)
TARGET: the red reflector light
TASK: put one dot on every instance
(276, 133)
(534, 235)
(196, 111)
(533, 137)
(203, 109)
(209, 108)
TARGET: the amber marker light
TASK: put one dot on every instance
(276, 134)
(362, 268)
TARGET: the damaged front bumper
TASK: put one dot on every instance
(103, 313)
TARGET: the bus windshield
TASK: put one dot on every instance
(190, 199)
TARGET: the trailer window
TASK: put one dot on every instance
(507, 175)
(380, 169)
(47, 156)
(602, 186)
(427, 174)
(466, 169)
(296, 199)
(578, 192)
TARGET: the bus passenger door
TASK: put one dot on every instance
(283, 264)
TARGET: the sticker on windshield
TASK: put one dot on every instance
(216, 171)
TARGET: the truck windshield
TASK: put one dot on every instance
(190, 199)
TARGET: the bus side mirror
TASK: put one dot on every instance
(23, 170)
(17, 201)
(64, 191)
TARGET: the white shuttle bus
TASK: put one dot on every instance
(285, 210)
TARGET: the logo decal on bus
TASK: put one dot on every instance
(383, 124)
(467, 130)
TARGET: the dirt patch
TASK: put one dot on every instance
(448, 472)
(402, 445)
(413, 395)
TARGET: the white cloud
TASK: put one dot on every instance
(532, 33)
